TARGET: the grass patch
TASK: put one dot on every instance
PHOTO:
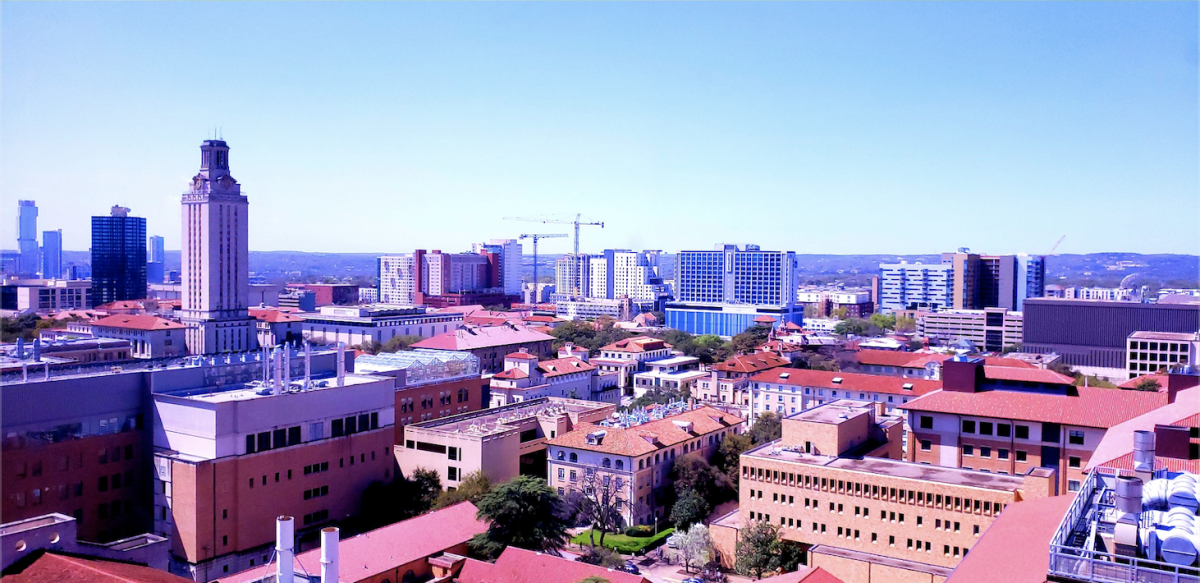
(623, 544)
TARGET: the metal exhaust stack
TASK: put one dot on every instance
(341, 364)
(1143, 455)
(1129, 512)
(284, 535)
(277, 364)
(307, 364)
(329, 555)
(287, 367)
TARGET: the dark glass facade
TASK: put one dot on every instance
(1093, 332)
(118, 259)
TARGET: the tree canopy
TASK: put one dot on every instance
(472, 489)
(758, 549)
(691, 508)
(768, 426)
(401, 499)
(1150, 385)
(590, 335)
(523, 512)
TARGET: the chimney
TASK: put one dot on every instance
(329, 555)
(307, 364)
(341, 364)
(284, 529)
(277, 364)
(287, 366)
(962, 374)
(1143, 455)
(1177, 380)
(1129, 507)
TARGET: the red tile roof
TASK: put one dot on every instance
(511, 374)
(1009, 362)
(764, 319)
(389, 547)
(751, 363)
(1134, 382)
(637, 440)
(274, 316)
(123, 305)
(547, 319)
(521, 566)
(144, 322)
(637, 344)
(1081, 406)
(806, 575)
(1115, 450)
(867, 383)
(64, 569)
(565, 365)
(473, 337)
(520, 355)
(1029, 375)
(892, 358)
(1023, 530)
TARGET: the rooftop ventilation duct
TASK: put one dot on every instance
(284, 535)
(837, 380)
(684, 425)
(1143, 454)
(341, 364)
(329, 555)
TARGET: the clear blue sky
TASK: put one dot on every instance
(814, 127)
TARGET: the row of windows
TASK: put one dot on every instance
(316, 468)
(316, 492)
(23, 469)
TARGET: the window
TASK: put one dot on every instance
(1074, 462)
(1022, 432)
(1021, 455)
(293, 435)
(985, 428)
(620, 465)
(968, 426)
(926, 422)
(452, 473)
(103, 484)
(1075, 437)
(1004, 430)
(926, 445)
(968, 450)
(250, 443)
(574, 458)
(1073, 485)
(1002, 454)
(985, 452)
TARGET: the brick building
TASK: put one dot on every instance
(789, 390)
(526, 377)
(430, 384)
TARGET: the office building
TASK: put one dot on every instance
(572, 277)
(502, 442)
(27, 245)
(617, 273)
(156, 260)
(915, 286)
(1091, 335)
(1031, 278)
(1006, 420)
(118, 257)
(728, 290)
(430, 384)
(331, 294)
(990, 329)
(446, 273)
(834, 485)
(824, 303)
(216, 256)
(490, 343)
(45, 295)
(526, 377)
(963, 281)
(510, 254)
(355, 325)
(368, 295)
(622, 309)
(52, 254)
(398, 279)
(149, 336)
(637, 451)
(1152, 352)
(297, 300)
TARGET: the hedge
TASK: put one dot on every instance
(627, 545)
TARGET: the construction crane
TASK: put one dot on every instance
(535, 256)
(1055, 247)
(575, 222)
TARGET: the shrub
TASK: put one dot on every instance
(640, 530)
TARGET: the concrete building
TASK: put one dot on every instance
(1091, 335)
(674, 373)
(637, 454)
(916, 286)
(824, 303)
(526, 377)
(446, 273)
(300, 300)
(216, 258)
(502, 442)
(995, 281)
(723, 291)
(621, 309)
(61, 350)
(491, 343)
(430, 384)
(834, 486)
(261, 294)
(629, 356)
(1151, 352)
(787, 390)
(1006, 420)
(621, 272)
(27, 245)
(118, 257)
(399, 279)
(257, 438)
(45, 295)
(572, 277)
(355, 325)
(368, 295)
(990, 329)
(149, 336)
(58, 533)
(537, 293)
(510, 253)
(331, 294)
(52, 254)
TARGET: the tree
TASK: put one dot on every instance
(602, 556)
(589, 335)
(884, 321)
(694, 473)
(691, 508)
(811, 311)
(695, 546)
(767, 427)
(747, 342)
(473, 488)
(729, 451)
(604, 502)
(596, 578)
(857, 327)
(1014, 347)
(1150, 385)
(402, 342)
(523, 512)
(401, 499)
(905, 325)
(757, 549)
(840, 313)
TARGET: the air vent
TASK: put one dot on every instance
(837, 380)
(785, 375)
(907, 386)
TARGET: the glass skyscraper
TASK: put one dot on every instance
(156, 260)
(727, 290)
(52, 263)
(118, 257)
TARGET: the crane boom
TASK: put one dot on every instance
(1055, 247)
(577, 222)
(536, 238)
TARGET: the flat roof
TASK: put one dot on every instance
(34, 523)
(672, 361)
(1174, 336)
(892, 468)
(881, 560)
(834, 412)
(496, 420)
(256, 390)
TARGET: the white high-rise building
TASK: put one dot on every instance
(635, 275)
(216, 254)
(510, 263)
(916, 286)
(398, 278)
(600, 277)
(572, 276)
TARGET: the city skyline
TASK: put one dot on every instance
(915, 115)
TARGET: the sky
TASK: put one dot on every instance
(840, 127)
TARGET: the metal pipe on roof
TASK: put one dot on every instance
(329, 555)
(284, 535)
(277, 363)
(341, 364)
(287, 366)
(307, 364)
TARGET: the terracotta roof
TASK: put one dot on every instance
(1023, 530)
(867, 383)
(1028, 375)
(511, 374)
(70, 569)
(806, 575)
(1134, 382)
(637, 344)
(1115, 450)
(751, 363)
(274, 316)
(520, 355)
(765, 319)
(1009, 362)
(891, 358)
(472, 337)
(143, 322)
(565, 365)
(521, 566)
(639, 440)
(1081, 406)
(123, 305)
(389, 547)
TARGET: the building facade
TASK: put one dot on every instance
(990, 329)
(355, 325)
(787, 391)
(45, 295)
(149, 336)
(490, 344)
(118, 257)
(723, 291)
(430, 384)
(916, 286)
(398, 279)
(216, 258)
(156, 260)
(52, 252)
(1151, 352)
(629, 356)
(573, 276)
(27, 245)
(526, 377)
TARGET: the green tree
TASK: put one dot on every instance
(695, 546)
(691, 508)
(370, 347)
(884, 321)
(747, 342)
(386, 502)
(758, 549)
(1150, 385)
(523, 512)
(695, 474)
(597, 578)
(402, 342)
(602, 556)
(728, 455)
(906, 325)
(473, 488)
(767, 427)
(840, 313)
(857, 327)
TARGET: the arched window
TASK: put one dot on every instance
(606, 463)
(620, 465)
(574, 458)
(561, 456)
(640, 464)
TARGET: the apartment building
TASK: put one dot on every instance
(430, 384)
(235, 450)
(622, 308)
(572, 277)
(502, 442)
(627, 357)
(857, 304)
(637, 454)
(526, 377)
(834, 486)
(724, 291)
(915, 286)
(354, 325)
(1150, 352)
(1006, 420)
(490, 344)
(728, 382)
(399, 279)
(617, 273)
(676, 373)
(990, 329)
(787, 391)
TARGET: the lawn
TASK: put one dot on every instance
(626, 545)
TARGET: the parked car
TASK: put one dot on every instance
(693, 580)
(673, 541)
(631, 568)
